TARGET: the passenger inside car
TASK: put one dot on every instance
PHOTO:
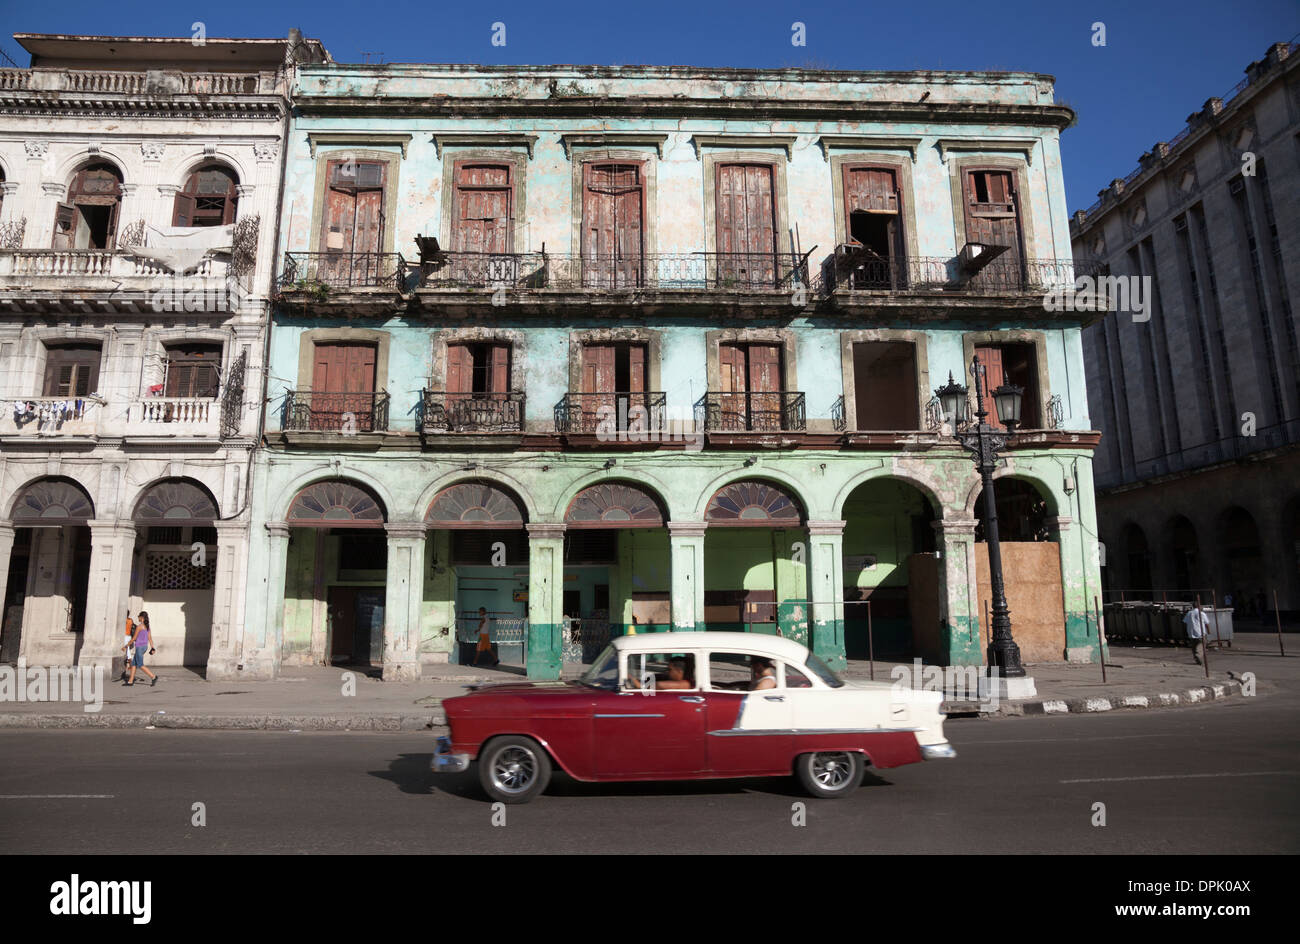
(764, 674)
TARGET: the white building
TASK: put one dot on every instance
(140, 189)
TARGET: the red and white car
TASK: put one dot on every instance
(691, 706)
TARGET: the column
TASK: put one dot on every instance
(403, 594)
(228, 598)
(260, 651)
(112, 548)
(826, 570)
(7, 533)
(686, 553)
(959, 602)
(545, 599)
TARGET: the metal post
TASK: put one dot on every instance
(1277, 615)
(1214, 596)
(871, 645)
(1101, 639)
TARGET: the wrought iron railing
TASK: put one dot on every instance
(838, 418)
(232, 397)
(335, 412)
(847, 271)
(610, 412)
(321, 272)
(719, 411)
(690, 271)
(443, 412)
(510, 631)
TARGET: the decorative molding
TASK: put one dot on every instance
(53, 188)
(612, 139)
(783, 142)
(92, 147)
(444, 139)
(359, 138)
(245, 191)
(152, 151)
(210, 149)
(857, 142)
(1023, 146)
(265, 150)
(36, 150)
(168, 190)
(9, 187)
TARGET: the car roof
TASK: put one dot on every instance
(776, 646)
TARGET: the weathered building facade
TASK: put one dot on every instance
(642, 348)
(1199, 396)
(141, 186)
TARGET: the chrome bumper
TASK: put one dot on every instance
(445, 762)
(937, 751)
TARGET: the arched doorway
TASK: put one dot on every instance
(89, 218)
(888, 523)
(617, 563)
(174, 577)
(335, 576)
(1137, 561)
(49, 573)
(479, 548)
(1243, 573)
(1180, 540)
(755, 577)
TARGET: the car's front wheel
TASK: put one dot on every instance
(513, 769)
(831, 773)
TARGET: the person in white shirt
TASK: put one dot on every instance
(1198, 625)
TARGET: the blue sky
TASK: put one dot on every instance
(1161, 60)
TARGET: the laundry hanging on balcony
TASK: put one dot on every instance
(183, 248)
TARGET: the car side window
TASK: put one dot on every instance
(795, 679)
(660, 671)
(729, 671)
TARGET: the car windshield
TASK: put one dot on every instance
(604, 671)
(823, 672)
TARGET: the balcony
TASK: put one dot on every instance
(335, 413)
(751, 412)
(165, 418)
(605, 414)
(51, 418)
(365, 283)
(442, 412)
(176, 93)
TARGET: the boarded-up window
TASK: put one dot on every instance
(209, 198)
(746, 220)
(481, 211)
(1011, 364)
(993, 218)
(612, 225)
(884, 381)
(193, 370)
(71, 370)
(89, 219)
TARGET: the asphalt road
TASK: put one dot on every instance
(1218, 778)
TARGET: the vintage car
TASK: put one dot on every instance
(691, 706)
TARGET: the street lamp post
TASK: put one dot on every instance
(985, 442)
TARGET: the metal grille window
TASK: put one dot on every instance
(165, 535)
(173, 571)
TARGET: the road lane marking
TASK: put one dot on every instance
(1249, 773)
(58, 796)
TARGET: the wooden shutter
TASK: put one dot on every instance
(71, 371)
(183, 210)
(339, 221)
(344, 368)
(460, 369)
(499, 366)
(731, 368)
(482, 218)
(746, 221)
(65, 225)
(994, 377)
(613, 224)
(637, 355)
(870, 188)
(764, 368)
(993, 218)
(598, 368)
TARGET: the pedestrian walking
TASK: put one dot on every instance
(484, 637)
(1197, 623)
(127, 646)
(143, 639)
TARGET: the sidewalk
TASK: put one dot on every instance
(314, 699)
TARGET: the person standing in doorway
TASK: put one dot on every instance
(143, 640)
(1197, 623)
(484, 637)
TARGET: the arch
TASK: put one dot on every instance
(1182, 544)
(863, 478)
(615, 504)
(1137, 556)
(176, 502)
(1045, 488)
(342, 472)
(1023, 509)
(336, 503)
(475, 504)
(208, 196)
(772, 476)
(459, 476)
(754, 503)
(52, 500)
(187, 164)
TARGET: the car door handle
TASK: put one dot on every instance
(693, 699)
(773, 698)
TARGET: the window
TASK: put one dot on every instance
(746, 221)
(343, 383)
(478, 368)
(352, 224)
(993, 219)
(735, 672)
(361, 550)
(89, 219)
(884, 385)
(1011, 364)
(193, 370)
(874, 225)
(750, 384)
(654, 671)
(613, 203)
(209, 198)
(71, 370)
(796, 679)
(481, 215)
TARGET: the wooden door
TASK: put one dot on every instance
(993, 218)
(765, 408)
(352, 225)
(994, 377)
(746, 238)
(612, 230)
(481, 224)
(733, 403)
(598, 383)
(343, 382)
(342, 615)
(871, 194)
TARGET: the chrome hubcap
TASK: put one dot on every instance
(514, 770)
(832, 770)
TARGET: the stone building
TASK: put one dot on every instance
(140, 182)
(1199, 396)
(611, 349)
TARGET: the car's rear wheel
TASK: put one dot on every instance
(513, 769)
(831, 773)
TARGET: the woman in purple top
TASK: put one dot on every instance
(143, 640)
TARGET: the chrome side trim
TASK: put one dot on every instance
(637, 715)
(737, 732)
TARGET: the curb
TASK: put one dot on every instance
(1051, 706)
